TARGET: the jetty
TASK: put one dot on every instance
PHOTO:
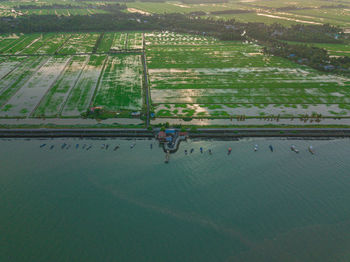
(170, 140)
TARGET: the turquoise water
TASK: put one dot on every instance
(127, 205)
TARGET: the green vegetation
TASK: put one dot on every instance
(60, 59)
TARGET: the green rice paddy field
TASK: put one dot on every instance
(59, 75)
(201, 77)
(62, 75)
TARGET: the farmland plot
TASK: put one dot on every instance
(53, 102)
(171, 38)
(8, 64)
(8, 41)
(55, 42)
(79, 44)
(35, 45)
(82, 93)
(119, 42)
(106, 43)
(135, 41)
(210, 56)
(21, 44)
(236, 76)
(12, 82)
(28, 97)
(121, 84)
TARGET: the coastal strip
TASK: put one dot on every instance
(199, 133)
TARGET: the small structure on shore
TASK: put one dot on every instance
(170, 140)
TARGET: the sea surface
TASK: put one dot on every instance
(74, 204)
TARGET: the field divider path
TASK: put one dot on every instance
(98, 81)
(72, 87)
(146, 89)
(48, 90)
(126, 41)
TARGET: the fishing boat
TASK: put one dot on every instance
(311, 150)
(167, 157)
(293, 148)
(271, 148)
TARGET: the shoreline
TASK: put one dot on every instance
(199, 133)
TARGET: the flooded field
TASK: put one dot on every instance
(189, 76)
(60, 75)
(206, 78)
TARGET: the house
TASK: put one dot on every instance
(135, 114)
(161, 136)
(329, 67)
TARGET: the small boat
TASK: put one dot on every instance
(256, 148)
(201, 149)
(311, 150)
(293, 148)
(210, 152)
(185, 152)
(63, 146)
(271, 148)
(132, 145)
(151, 146)
(51, 147)
(41, 146)
(84, 146)
(77, 146)
(107, 146)
(103, 146)
(117, 147)
(167, 157)
(68, 147)
(88, 148)
(191, 150)
(229, 150)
